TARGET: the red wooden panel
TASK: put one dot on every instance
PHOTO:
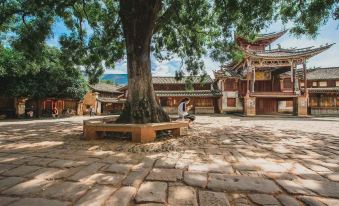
(266, 106)
(230, 85)
(289, 103)
(242, 88)
(263, 86)
(231, 102)
(287, 83)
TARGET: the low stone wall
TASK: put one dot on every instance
(325, 111)
(171, 110)
(204, 110)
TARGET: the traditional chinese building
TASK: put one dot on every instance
(104, 99)
(259, 83)
(204, 95)
(44, 107)
(323, 89)
(11, 107)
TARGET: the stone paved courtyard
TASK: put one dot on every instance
(225, 160)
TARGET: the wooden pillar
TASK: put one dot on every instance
(253, 79)
(294, 81)
(281, 84)
(248, 84)
(305, 80)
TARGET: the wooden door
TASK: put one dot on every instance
(266, 106)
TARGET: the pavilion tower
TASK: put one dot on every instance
(265, 81)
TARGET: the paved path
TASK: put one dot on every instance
(224, 161)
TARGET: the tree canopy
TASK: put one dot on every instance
(189, 29)
(22, 77)
(100, 32)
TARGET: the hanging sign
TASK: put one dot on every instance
(262, 75)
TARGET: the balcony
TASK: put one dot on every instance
(274, 94)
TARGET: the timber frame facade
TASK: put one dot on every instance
(265, 81)
(323, 89)
(204, 95)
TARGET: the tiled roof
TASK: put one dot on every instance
(110, 100)
(323, 90)
(287, 53)
(323, 73)
(103, 87)
(270, 35)
(172, 80)
(226, 71)
(188, 93)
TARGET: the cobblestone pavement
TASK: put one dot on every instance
(224, 161)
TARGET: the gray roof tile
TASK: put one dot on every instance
(172, 80)
(103, 87)
(189, 93)
(323, 73)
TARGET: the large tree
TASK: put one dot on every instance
(104, 31)
(48, 77)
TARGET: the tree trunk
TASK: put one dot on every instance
(138, 19)
(37, 108)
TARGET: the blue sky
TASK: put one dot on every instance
(328, 33)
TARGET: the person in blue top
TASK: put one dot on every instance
(183, 109)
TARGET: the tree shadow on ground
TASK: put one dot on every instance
(299, 162)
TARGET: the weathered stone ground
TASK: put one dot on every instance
(224, 161)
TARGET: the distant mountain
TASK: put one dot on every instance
(120, 79)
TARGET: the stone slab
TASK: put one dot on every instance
(220, 182)
(42, 162)
(135, 178)
(67, 163)
(6, 167)
(333, 176)
(96, 196)
(166, 162)
(197, 179)
(182, 195)
(39, 201)
(119, 168)
(152, 192)
(288, 200)
(30, 187)
(311, 201)
(70, 191)
(86, 172)
(122, 197)
(294, 188)
(213, 167)
(47, 173)
(6, 200)
(21, 171)
(209, 198)
(264, 199)
(323, 188)
(106, 179)
(167, 175)
(9, 182)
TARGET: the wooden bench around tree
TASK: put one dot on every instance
(140, 132)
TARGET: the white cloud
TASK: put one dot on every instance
(328, 34)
